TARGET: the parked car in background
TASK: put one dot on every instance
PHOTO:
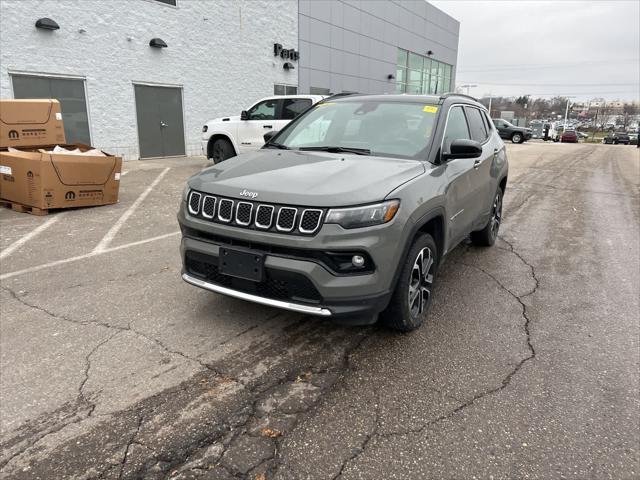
(511, 132)
(569, 136)
(633, 139)
(226, 137)
(615, 138)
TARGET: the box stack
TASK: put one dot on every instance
(39, 171)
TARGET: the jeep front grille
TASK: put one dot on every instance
(194, 202)
(208, 206)
(255, 215)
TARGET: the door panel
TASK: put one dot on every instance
(71, 95)
(481, 183)
(160, 121)
(262, 119)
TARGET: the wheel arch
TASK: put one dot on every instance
(219, 136)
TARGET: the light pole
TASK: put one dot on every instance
(566, 112)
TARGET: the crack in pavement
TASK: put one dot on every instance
(479, 396)
(131, 441)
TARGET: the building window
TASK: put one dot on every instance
(319, 91)
(418, 74)
(279, 89)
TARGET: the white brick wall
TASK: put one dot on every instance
(219, 51)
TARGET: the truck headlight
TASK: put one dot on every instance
(205, 128)
(185, 193)
(366, 216)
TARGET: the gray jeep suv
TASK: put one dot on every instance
(348, 211)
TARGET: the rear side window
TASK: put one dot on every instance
(487, 122)
(292, 107)
(476, 124)
(457, 128)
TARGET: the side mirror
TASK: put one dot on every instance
(244, 115)
(267, 136)
(463, 148)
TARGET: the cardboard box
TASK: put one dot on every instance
(57, 180)
(30, 123)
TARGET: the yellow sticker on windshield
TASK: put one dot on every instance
(321, 104)
(430, 109)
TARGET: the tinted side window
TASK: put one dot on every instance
(292, 107)
(263, 111)
(487, 122)
(476, 125)
(457, 128)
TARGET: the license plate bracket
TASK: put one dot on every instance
(241, 264)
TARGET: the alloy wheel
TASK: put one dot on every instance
(496, 214)
(421, 282)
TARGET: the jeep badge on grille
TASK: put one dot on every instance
(247, 193)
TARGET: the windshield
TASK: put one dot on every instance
(379, 128)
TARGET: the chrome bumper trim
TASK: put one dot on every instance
(294, 307)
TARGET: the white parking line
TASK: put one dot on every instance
(21, 241)
(106, 240)
(86, 255)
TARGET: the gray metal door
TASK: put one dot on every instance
(160, 122)
(69, 92)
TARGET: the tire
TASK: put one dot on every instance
(517, 138)
(222, 150)
(419, 271)
(488, 235)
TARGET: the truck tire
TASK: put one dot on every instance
(488, 235)
(517, 138)
(411, 299)
(221, 150)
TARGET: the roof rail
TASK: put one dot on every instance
(453, 94)
(342, 94)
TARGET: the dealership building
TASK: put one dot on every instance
(139, 78)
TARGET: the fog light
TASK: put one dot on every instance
(357, 261)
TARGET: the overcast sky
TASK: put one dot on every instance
(583, 48)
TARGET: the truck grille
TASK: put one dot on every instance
(254, 215)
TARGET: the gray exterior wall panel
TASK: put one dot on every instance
(357, 41)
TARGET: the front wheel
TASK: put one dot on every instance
(411, 299)
(488, 235)
(221, 150)
(516, 138)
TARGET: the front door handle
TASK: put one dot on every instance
(162, 124)
(477, 163)
(267, 126)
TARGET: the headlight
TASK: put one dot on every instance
(185, 193)
(366, 216)
(204, 129)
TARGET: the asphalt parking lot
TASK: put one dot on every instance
(112, 367)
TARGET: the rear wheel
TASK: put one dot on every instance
(221, 150)
(488, 235)
(516, 138)
(411, 299)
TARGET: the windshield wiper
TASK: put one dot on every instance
(336, 149)
(277, 145)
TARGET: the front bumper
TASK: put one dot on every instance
(293, 283)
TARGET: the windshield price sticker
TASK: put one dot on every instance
(430, 109)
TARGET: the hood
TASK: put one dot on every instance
(235, 118)
(315, 179)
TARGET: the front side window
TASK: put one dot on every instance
(293, 107)
(457, 128)
(379, 128)
(263, 111)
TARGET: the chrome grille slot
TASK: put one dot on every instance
(194, 202)
(208, 206)
(243, 213)
(286, 219)
(310, 220)
(264, 216)
(225, 210)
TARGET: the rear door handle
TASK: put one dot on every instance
(267, 126)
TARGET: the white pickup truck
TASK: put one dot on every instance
(227, 137)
